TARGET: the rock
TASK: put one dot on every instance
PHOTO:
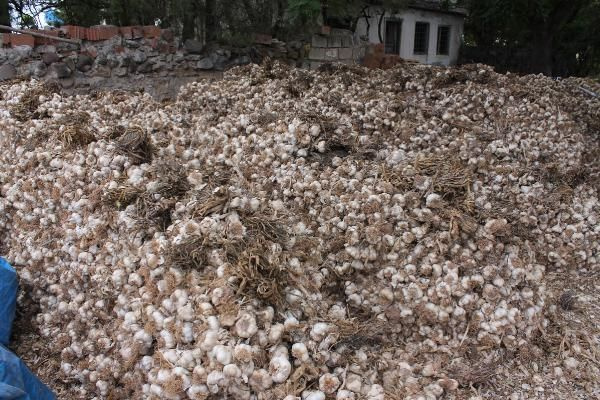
(158, 65)
(242, 60)
(205, 63)
(132, 43)
(70, 62)
(101, 59)
(219, 61)
(63, 47)
(138, 57)
(46, 48)
(38, 69)
(120, 71)
(295, 45)
(84, 61)
(102, 71)
(167, 34)
(7, 71)
(60, 70)
(223, 52)
(193, 46)
(50, 58)
(67, 83)
(179, 57)
(113, 60)
(145, 67)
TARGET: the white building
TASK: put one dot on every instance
(425, 31)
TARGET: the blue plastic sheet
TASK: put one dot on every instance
(16, 381)
(8, 300)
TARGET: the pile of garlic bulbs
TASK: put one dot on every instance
(343, 233)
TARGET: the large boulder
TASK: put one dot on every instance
(205, 63)
(60, 70)
(193, 46)
(7, 71)
(50, 58)
(84, 62)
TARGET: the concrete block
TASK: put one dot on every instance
(316, 53)
(345, 53)
(319, 41)
(315, 64)
(347, 41)
(331, 54)
(358, 52)
(334, 41)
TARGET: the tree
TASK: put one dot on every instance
(532, 35)
(342, 13)
(4, 13)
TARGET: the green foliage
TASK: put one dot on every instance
(4, 13)
(304, 10)
(555, 37)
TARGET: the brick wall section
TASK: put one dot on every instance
(94, 34)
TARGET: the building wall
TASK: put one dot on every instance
(409, 17)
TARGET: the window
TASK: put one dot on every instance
(443, 43)
(393, 30)
(421, 38)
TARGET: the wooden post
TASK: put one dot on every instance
(42, 35)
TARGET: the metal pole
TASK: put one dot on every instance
(42, 35)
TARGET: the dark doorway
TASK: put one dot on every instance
(393, 30)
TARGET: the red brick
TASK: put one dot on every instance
(74, 32)
(126, 32)
(41, 40)
(325, 30)
(167, 34)
(166, 48)
(92, 34)
(137, 32)
(151, 31)
(109, 32)
(22, 40)
(6, 38)
(119, 49)
(152, 43)
(102, 32)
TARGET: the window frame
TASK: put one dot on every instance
(438, 52)
(426, 43)
(400, 22)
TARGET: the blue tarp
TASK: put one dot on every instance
(16, 381)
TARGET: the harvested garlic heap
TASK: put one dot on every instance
(282, 233)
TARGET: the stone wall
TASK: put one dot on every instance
(107, 52)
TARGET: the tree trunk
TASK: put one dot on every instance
(379, 23)
(211, 20)
(4, 13)
(541, 54)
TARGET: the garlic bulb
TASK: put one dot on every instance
(355, 228)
